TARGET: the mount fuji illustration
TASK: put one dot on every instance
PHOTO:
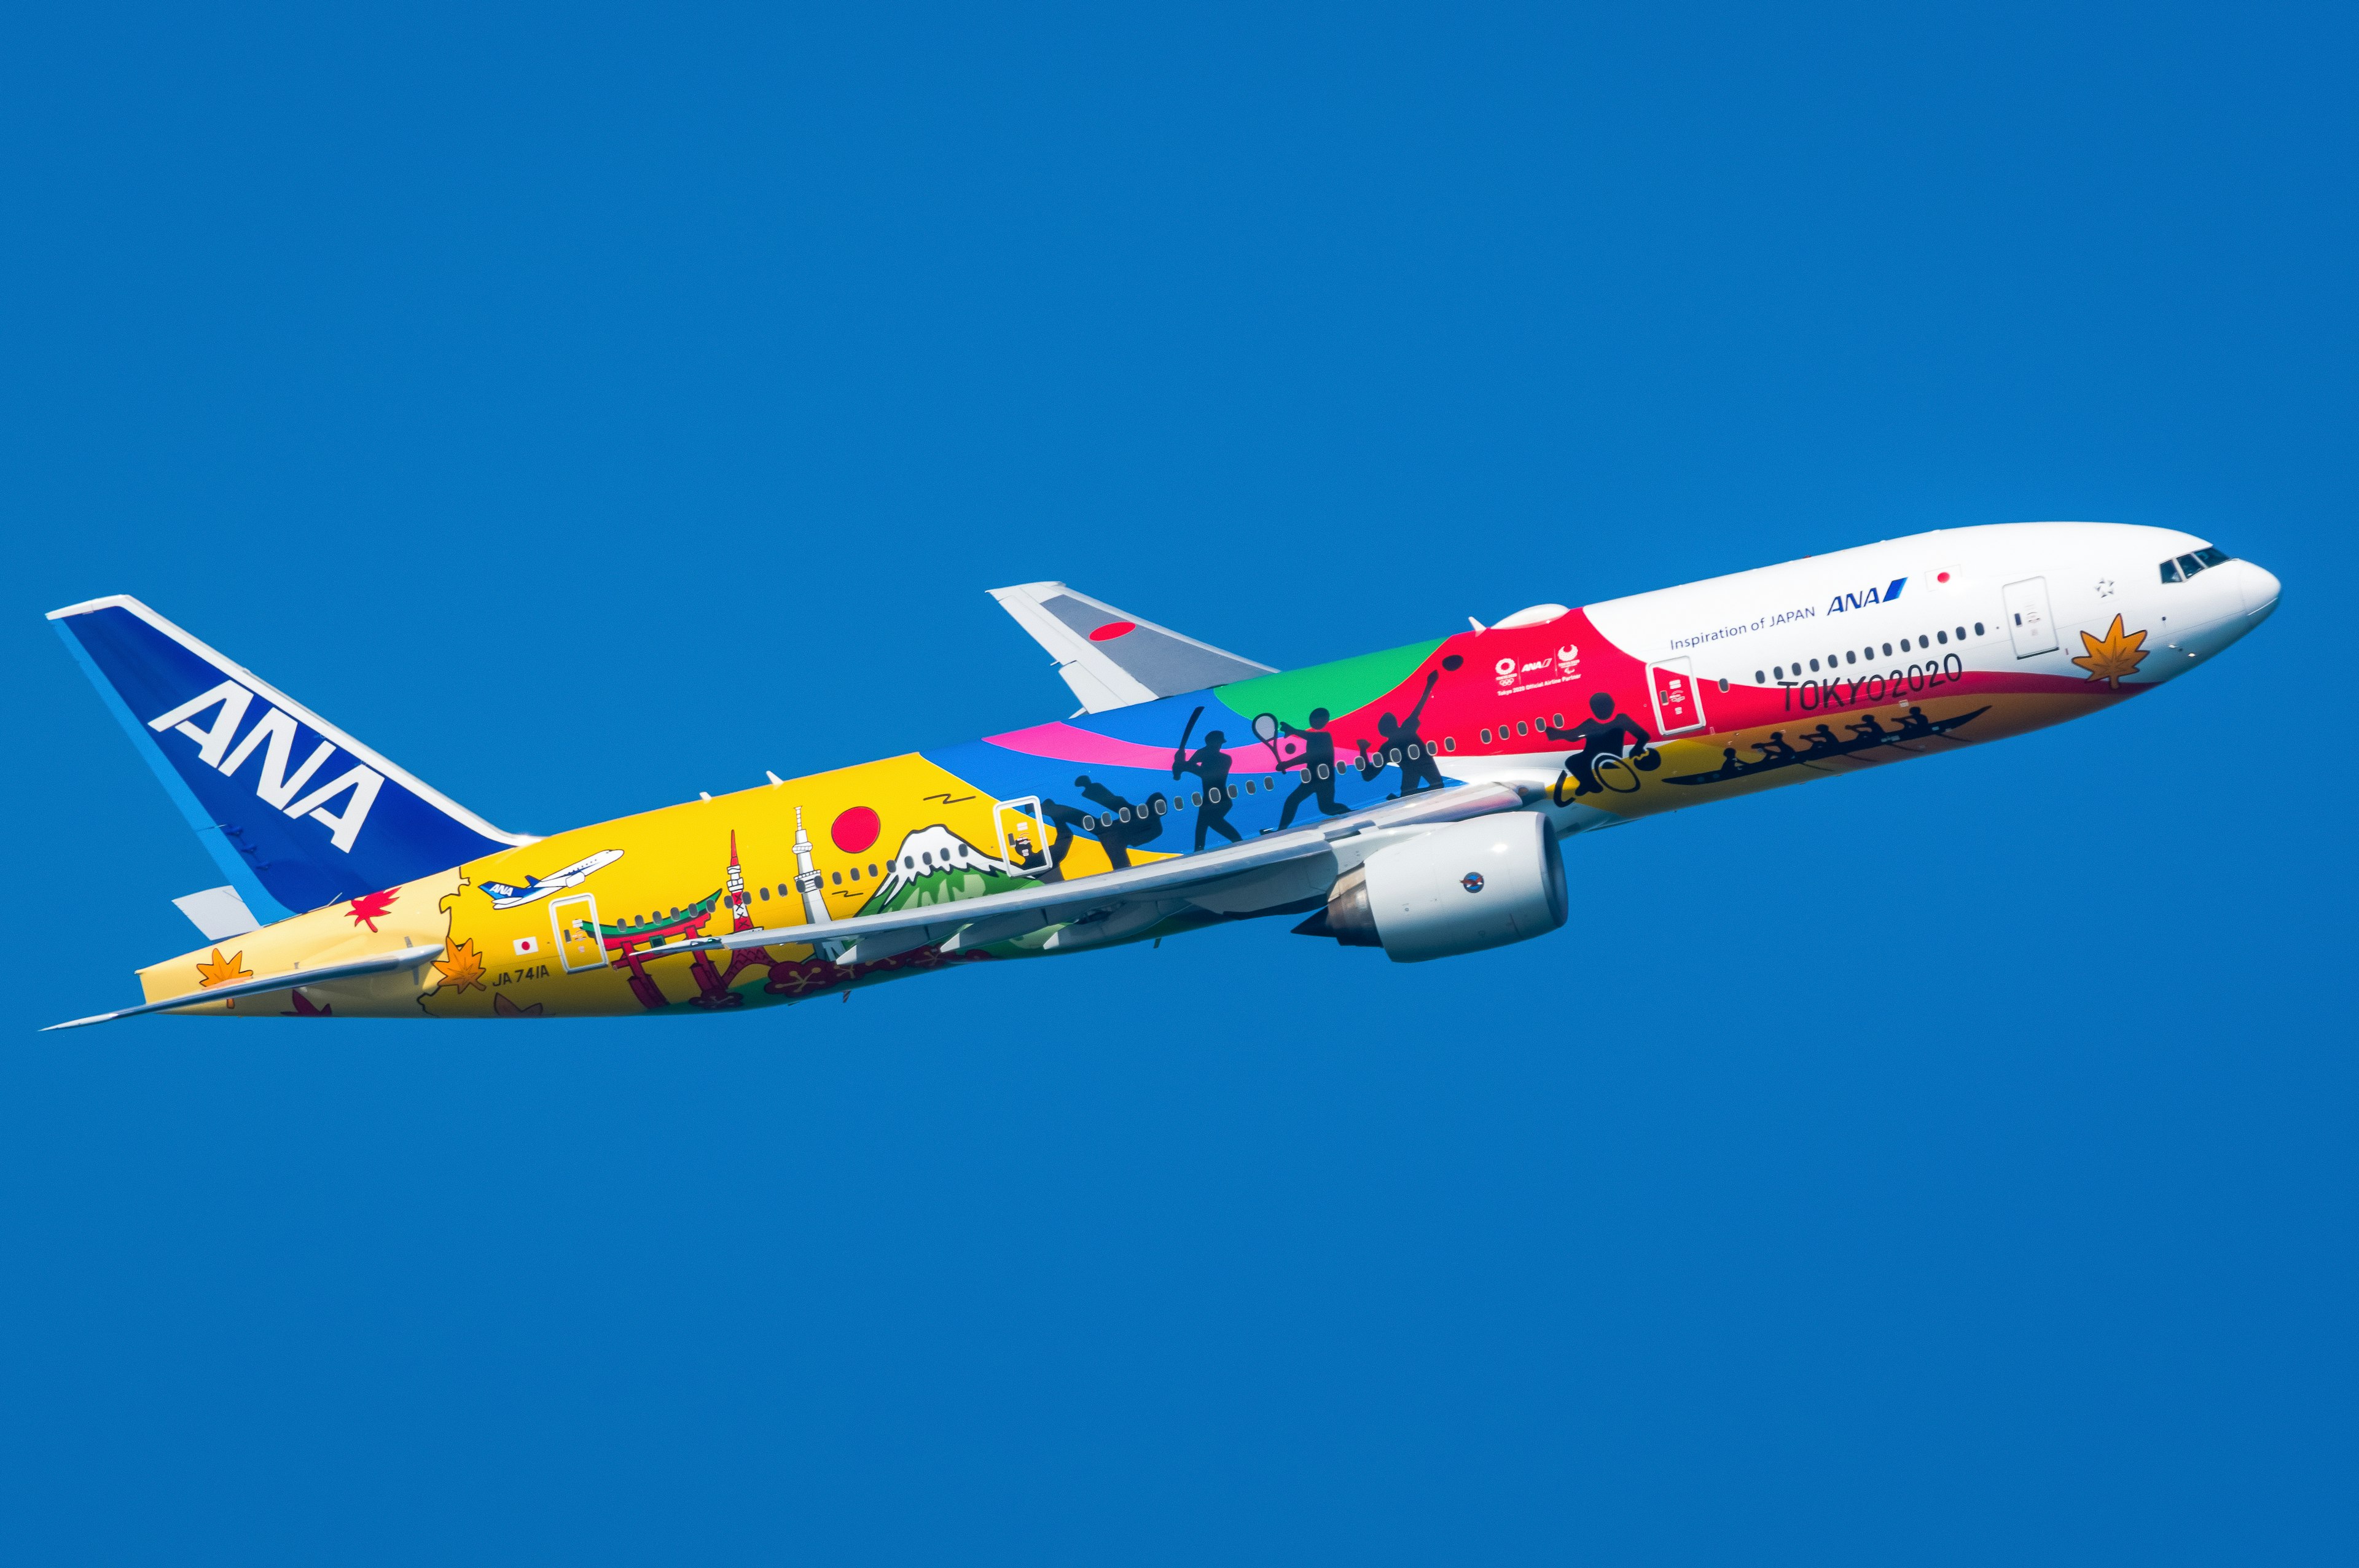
(935, 865)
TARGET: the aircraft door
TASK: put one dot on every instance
(1678, 705)
(2027, 619)
(1023, 830)
(574, 923)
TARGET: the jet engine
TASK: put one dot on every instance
(1455, 890)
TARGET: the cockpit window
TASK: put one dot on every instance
(2187, 566)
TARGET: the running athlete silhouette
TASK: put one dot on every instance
(1609, 734)
(1210, 764)
(1317, 765)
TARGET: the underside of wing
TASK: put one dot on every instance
(1112, 658)
(1256, 876)
(318, 973)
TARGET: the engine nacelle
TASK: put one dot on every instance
(1458, 888)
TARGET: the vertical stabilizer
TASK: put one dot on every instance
(297, 812)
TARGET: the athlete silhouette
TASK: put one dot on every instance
(1317, 765)
(1210, 764)
(1115, 835)
(1609, 734)
(1401, 747)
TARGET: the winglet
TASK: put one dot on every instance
(1112, 658)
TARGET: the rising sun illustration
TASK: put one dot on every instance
(2112, 656)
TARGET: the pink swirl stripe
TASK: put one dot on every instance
(1068, 744)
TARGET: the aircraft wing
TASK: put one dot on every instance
(374, 964)
(1113, 659)
(1244, 878)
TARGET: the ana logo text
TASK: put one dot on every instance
(1891, 592)
(274, 735)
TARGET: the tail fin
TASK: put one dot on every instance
(297, 813)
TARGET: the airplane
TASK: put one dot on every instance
(507, 895)
(1413, 800)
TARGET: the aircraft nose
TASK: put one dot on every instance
(2260, 588)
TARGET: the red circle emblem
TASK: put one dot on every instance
(853, 830)
(1112, 629)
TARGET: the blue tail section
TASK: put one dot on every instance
(297, 813)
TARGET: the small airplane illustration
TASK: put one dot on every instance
(507, 895)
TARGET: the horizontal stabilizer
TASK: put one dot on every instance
(217, 913)
(295, 811)
(1111, 658)
(352, 968)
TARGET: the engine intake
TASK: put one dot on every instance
(1456, 890)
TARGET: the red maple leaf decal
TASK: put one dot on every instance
(369, 907)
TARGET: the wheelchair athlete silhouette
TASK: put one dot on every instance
(1614, 752)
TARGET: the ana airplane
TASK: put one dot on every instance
(1411, 800)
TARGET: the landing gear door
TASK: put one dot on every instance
(574, 923)
(2027, 617)
(1678, 705)
(1023, 832)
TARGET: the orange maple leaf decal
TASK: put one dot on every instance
(369, 908)
(461, 965)
(2112, 656)
(218, 973)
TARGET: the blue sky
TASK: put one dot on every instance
(1948, 1164)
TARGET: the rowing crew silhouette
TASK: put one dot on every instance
(1822, 742)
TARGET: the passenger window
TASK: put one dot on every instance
(1814, 666)
(855, 872)
(1888, 650)
(1486, 737)
(1943, 635)
(1978, 628)
(1557, 719)
(1758, 679)
(1850, 658)
(1560, 718)
(1249, 786)
(2170, 571)
(1450, 742)
(765, 892)
(1522, 729)
(1196, 797)
(782, 887)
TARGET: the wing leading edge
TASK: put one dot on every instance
(1112, 658)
